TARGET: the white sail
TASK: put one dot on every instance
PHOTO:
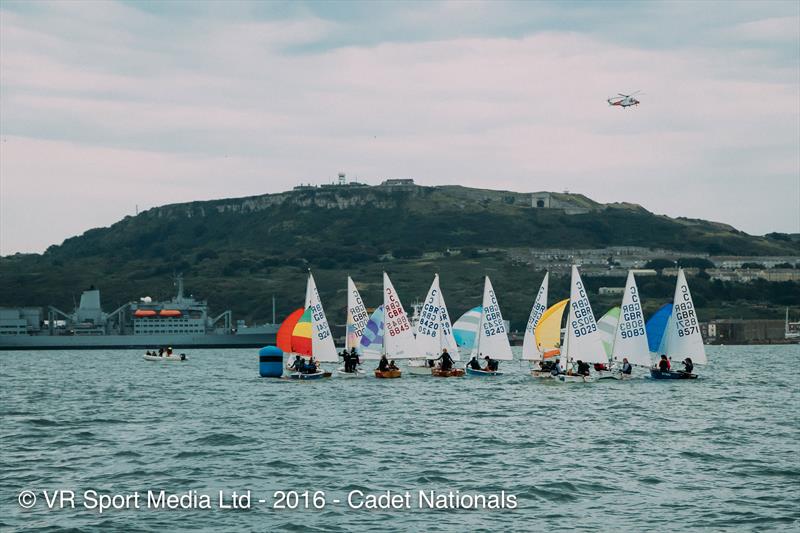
(321, 339)
(357, 316)
(583, 340)
(630, 338)
(530, 351)
(492, 339)
(429, 327)
(398, 340)
(434, 331)
(309, 290)
(682, 337)
(448, 339)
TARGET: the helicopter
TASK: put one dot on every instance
(624, 100)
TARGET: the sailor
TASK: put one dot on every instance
(688, 366)
(354, 360)
(663, 364)
(491, 364)
(556, 370)
(583, 368)
(298, 364)
(346, 357)
(599, 367)
(169, 351)
(392, 365)
(626, 366)
(161, 352)
(474, 364)
(383, 364)
(311, 367)
(447, 361)
(183, 357)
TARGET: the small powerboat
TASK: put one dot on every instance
(172, 358)
(387, 374)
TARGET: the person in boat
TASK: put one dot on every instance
(183, 357)
(447, 361)
(626, 366)
(311, 367)
(583, 368)
(393, 366)
(345, 355)
(600, 367)
(663, 364)
(161, 352)
(491, 364)
(474, 364)
(297, 364)
(354, 360)
(556, 369)
(169, 351)
(688, 366)
(383, 364)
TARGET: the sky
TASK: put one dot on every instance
(106, 107)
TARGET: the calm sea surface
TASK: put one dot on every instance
(718, 453)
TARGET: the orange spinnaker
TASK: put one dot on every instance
(284, 336)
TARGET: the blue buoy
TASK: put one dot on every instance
(270, 362)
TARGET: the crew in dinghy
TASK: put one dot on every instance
(474, 364)
(627, 369)
(491, 364)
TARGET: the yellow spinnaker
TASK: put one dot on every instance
(548, 332)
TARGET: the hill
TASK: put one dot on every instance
(240, 252)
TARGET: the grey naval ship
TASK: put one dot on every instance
(180, 322)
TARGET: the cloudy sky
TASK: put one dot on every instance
(106, 106)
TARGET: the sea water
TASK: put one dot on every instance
(717, 453)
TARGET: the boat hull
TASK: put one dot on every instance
(541, 374)
(387, 374)
(563, 378)
(309, 377)
(166, 358)
(482, 373)
(452, 373)
(658, 374)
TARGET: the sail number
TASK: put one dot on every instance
(492, 319)
(684, 315)
(632, 323)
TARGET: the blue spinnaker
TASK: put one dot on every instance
(656, 325)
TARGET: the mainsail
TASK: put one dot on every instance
(434, 332)
(357, 316)
(492, 337)
(682, 338)
(630, 338)
(398, 340)
(548, 332)
(529, 348)
(583, 341)
(312, 335)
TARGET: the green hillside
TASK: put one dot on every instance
(238, 253)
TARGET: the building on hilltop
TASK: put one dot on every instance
(545, 200)
(397, 182)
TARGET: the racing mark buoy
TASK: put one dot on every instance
(270, 362)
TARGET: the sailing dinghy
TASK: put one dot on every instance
(630, 337)
(434, 332)
(583, 340)
(681, 338)
(547, 336)
(388, 332)
(492, 337)
(310, 335)
(357, 318)
(606, 328)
